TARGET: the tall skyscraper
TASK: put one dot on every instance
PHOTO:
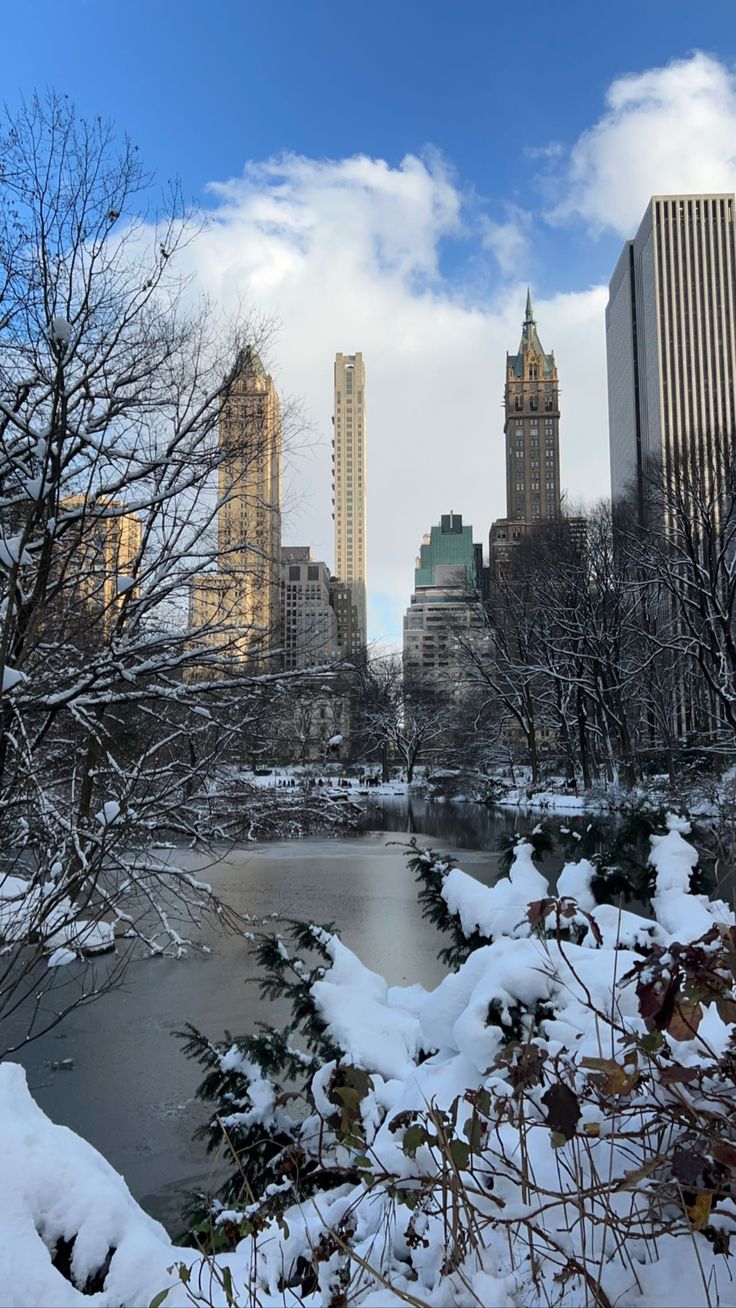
(531, 427)
(244, 594)
(532, 437)
(349, 479)
(670, 341)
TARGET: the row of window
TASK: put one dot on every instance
(533, 403)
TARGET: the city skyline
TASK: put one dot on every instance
(391, 226)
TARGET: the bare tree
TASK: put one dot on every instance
(405, 716)
(115, 713)
(685, 552)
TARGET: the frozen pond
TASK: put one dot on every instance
(131, 1089)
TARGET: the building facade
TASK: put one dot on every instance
(532, 442)
(107, 552)
(670, 342)
(349, 485)
(350, 643)
(443, 609)
(243, 596)
(308, 620)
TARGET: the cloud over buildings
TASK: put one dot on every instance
(348, 254)
(663, 131)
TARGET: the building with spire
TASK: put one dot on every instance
(532, 442)
(349, 481)
(242, 599)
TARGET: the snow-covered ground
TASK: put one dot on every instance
(582, 1121)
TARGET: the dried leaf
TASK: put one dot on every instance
(657, 1001)
(675, 1074)
(684, 1023)
(563, 1110)
(725, 1153)
(610, 1077)
(537, 911)
(726, 1009)
(699, 1210)
(527, 1070)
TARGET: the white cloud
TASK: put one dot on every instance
(665, 131)
(345, 255)
(508, 241)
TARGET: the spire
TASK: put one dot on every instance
(248, 360)
(529, 317)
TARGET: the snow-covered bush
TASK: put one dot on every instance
(550, 1125)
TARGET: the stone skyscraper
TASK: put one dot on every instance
(349, 479)
(670, 340)
(243, 596)
(532, 443)
(531, 427)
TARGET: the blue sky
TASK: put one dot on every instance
(532, 160)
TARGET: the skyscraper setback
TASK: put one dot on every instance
(349, 479)
(671, 349)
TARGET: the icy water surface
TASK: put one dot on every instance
(130, 1091)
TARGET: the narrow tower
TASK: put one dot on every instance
(249, 522)
(531, 427)
(349, 480)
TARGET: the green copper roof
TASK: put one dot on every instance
(248, 361)
(449, 543)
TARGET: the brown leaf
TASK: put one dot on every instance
(610, 1077)
(537, 911)
(725, 1153)
(726, 1009)
(657, 1002)
(684, 1023)
(527, 1070)
(563, 1110)
(675, 1074)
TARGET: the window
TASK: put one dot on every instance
(295, 573)
(518, 402)
(532, 402)
(533, 372)
(312, 572)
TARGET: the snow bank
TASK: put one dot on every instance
(684, 916)
(499, 909)
(526, 1018)
(57, 1187)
